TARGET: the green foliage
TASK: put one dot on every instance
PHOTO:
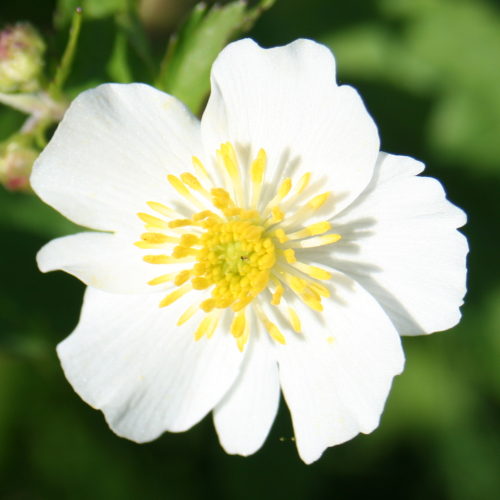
(446, 50)
(186, 67)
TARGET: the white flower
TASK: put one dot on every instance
(270, 246)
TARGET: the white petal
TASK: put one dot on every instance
(111, 154)
(286, 100)
(245, 415)
(127, 358)
(101, 260)
(400, 242)
(336, 389)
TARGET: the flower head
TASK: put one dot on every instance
(271, 245)
(17, 156)
(21, 58)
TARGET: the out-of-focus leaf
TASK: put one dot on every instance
(95, 9)
(118, 67)
(186, 68)
(10, 121)
(444, 49)
(28, 213)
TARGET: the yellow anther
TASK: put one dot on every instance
(188, 314)
(278, 293)
(311, 230)
(165, 259)
(146, 245)
(158, 259)
(238, 324)
(319, 228)
(281, 235)
(180, 223)
(257, 172)
(221, 198)
(199, 167)
(176, 294)
(274, 331)
(162, 209)
(243, 338)
(318, 201)
(191, 181)
(311, 299)
(206, 327)
(178, 186)
(277, 215)
(303, 183)
(152, 221)
(228, 157)
(258, 167)
(203, 215)
(319, 289)
(284, 188)
(182, 277)
(207, 305)
(313, 271)
(181, 252)
(200, 283)
(317, 241)
(164, 278)
(232, 211)
(294, 320)
(157, 238)
(188, 240)
(242, 303)
(290, 255)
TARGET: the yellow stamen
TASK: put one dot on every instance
(180, 187)
(257, 172)
(188, 313)
(278, 293)
(175, 295)
(312, 271)
(281, 235)
(191, 181)
(182, 277)
(317, 241)
(290, 256)
(312, 230)
(165, 259)
(294, 320)
(227, 157)
(164, 278)
(284, 188)
(200, 169)
(207, 326)
(152, 221)
(162, 209)
(238, 325)
(158, 238)
(318, 201)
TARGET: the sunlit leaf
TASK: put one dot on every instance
(186, 67)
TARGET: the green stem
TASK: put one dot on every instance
(64, 67)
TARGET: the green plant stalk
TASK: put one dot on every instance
(64, 66)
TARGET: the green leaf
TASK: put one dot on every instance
(185, 71)
(93, 9)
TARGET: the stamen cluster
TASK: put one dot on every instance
(238, 252)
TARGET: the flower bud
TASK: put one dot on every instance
(16, 162)
(21, 58)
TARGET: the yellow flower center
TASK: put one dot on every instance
(239, 249)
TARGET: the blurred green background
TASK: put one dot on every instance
(429, 72)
